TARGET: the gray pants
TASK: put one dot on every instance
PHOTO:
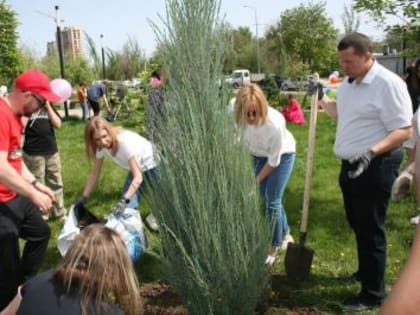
(47, 169)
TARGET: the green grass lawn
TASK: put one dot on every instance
(328, 232)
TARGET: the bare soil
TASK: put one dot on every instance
(160, 299)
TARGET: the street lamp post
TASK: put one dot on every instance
(103, 57)
(257, 42)
(60, 54)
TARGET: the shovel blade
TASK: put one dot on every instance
(298, 261)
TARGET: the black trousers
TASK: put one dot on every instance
(95, 106)
(366, 201)
(20, 218)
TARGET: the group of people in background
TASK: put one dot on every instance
(90, 98)
(374, 118)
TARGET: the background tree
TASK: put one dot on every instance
(9, 54)
(28, 57)
(307, 36)
(274, 54)
(351, 21)
(406, 13)
(244, 47)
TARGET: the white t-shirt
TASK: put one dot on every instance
(270, 140)
(368, 111)
(131, 144)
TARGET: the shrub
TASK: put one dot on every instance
(214, 235)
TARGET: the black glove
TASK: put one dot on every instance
(120, 206)
(363, 161)
(320, 88)
(315, 86)
(79, 202)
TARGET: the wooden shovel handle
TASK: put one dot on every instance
(309, 163)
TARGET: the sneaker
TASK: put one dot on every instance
(272, 257)
(286, 240)
(359, 304)
(415, 220)
(401, 186)
(152, 222)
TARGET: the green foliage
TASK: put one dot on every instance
(9, 54)
(214, 235)
(125, 64)
(307, 36)
(238, 46)
(297, 70)
(407, 13)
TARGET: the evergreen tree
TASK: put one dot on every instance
(9, 55)
(214, 234)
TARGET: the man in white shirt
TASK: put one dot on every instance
(373, 112)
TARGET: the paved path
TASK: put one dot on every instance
(72, 112)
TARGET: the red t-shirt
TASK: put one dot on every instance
(11, 129)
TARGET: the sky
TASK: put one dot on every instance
(118, 20)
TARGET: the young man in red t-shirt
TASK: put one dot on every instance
(22, 198)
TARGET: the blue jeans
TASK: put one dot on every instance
(272, 189)
(148, 178)
(85, 110)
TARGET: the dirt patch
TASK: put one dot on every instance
(160, 299)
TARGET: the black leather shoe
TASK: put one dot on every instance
(359, 304)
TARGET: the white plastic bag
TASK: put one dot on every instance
(130, 227)
(68, 232)
(127, 224)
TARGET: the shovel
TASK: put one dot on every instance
(298, 258)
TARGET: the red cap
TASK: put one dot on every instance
(37, 82)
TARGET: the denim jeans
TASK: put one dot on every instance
(272, 189)
(85, 110)
(366, 201)
(148, 178)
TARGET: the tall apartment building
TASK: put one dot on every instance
(51, 48)
(72, 38)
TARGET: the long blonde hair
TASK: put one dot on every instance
(247, 95)
(93, 127)
(98, 267)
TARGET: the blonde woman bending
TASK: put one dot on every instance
(96, 276)
(128, 150)
(272, 146)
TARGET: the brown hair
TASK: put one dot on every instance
(247, 95)
(98, 267)
(360, 42)
(93, 127)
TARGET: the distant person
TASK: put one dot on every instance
(293, 111)
(373, 115)
(156, 112)
(82, 97)
(273, 148)
(402, 184)
(128, 150)
(41, 156)
(22, 197)
(95, 93)
(95, 277)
